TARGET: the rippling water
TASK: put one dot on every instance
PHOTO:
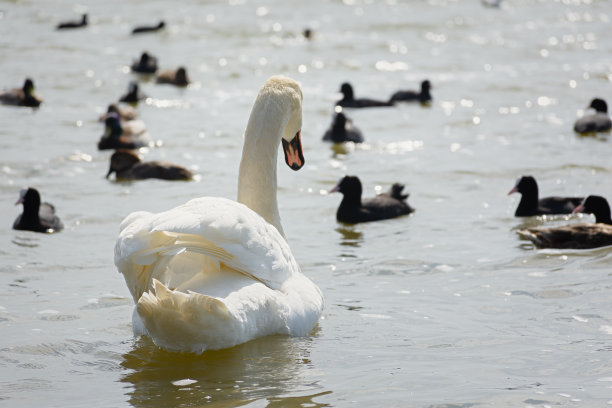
(445, 307)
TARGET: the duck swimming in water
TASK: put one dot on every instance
(353, 209)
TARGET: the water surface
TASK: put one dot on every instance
(445, 307)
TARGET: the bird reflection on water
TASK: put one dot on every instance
(340, 150)
(350, 236)
(266, 368)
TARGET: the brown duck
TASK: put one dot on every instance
(23, 96)
(127, 166)
(176, 77)
(577, 236)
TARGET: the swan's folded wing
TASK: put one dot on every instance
(220, 228)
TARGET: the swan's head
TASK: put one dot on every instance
(276, 114)
(292, 99)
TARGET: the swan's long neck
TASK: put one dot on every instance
(257, 182)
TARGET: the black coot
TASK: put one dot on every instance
(349, 101)
(596, 122)
(423, 96)
(342, 130)
(36, 216)
(353, 209)
(73, 24)
(531, 205)
(148, 28)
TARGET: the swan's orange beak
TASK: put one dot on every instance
(294, 157)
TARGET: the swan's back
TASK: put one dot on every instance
(211, 274)
(230, 226)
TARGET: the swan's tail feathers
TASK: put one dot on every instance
(162, 296)
(183, 321)
(173, 258)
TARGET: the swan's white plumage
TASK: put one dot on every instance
(212, 273)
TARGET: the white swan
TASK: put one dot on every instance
(213, 272)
